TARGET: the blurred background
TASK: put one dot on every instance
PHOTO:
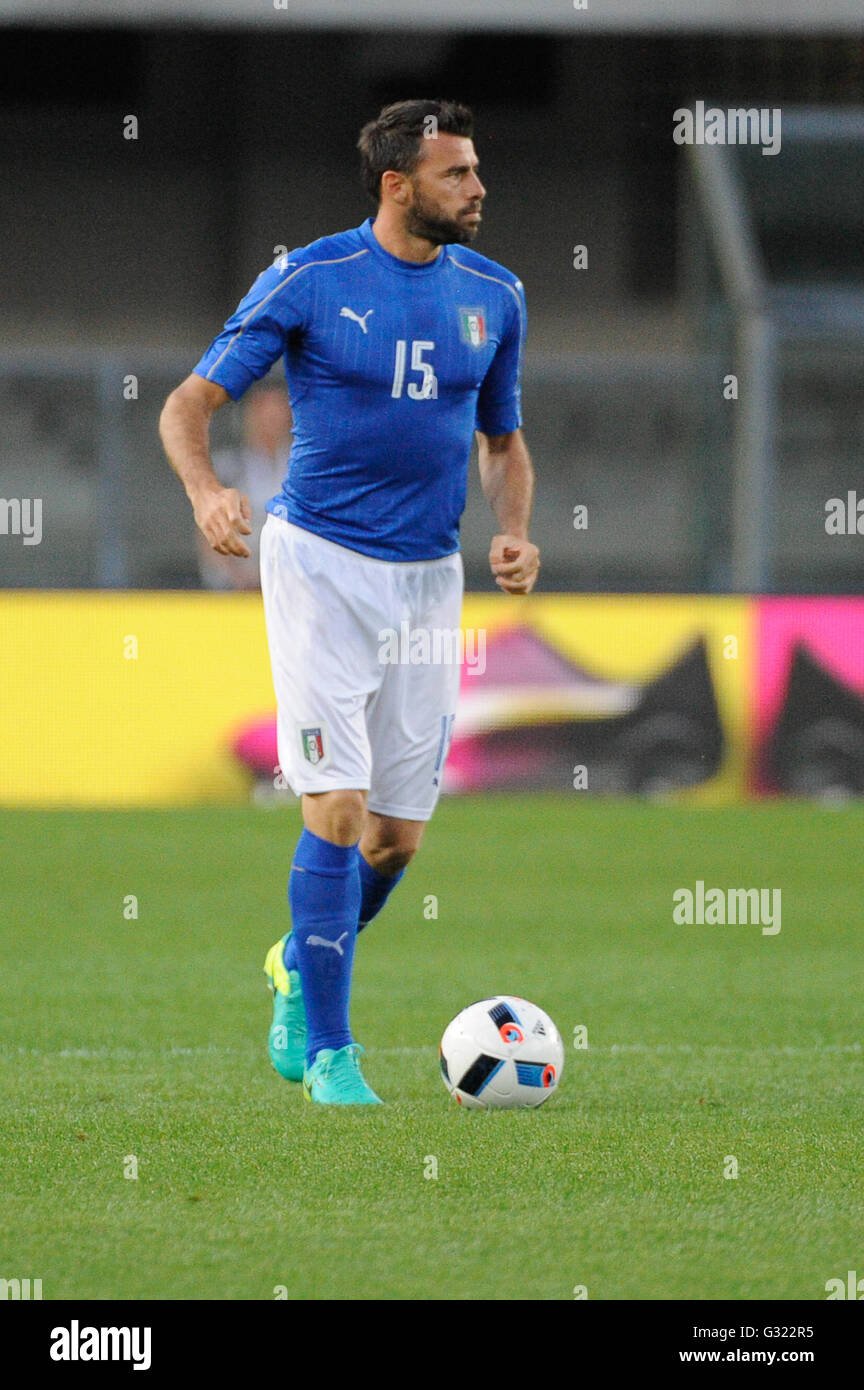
(692, 387)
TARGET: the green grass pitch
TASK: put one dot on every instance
(145, 1038)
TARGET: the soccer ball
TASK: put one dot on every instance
(501, 1054)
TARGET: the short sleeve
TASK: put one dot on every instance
(256, 333)
(499, 404)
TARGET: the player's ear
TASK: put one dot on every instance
(395, 185)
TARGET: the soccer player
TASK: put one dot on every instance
(399, 343)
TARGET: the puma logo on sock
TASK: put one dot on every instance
(322, 941)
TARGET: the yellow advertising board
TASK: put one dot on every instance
(131, 699)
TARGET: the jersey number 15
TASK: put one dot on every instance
(427, 388)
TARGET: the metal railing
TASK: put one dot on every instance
(766, 316)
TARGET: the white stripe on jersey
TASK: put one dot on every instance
(282, 283)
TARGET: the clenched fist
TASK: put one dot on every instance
(224, 516)
(514, 562)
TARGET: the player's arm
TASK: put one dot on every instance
(507, 476)
(222, 513)
(251, 341)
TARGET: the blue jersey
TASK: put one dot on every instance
(391, 366)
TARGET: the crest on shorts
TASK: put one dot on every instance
(312, 740)
(472, 323)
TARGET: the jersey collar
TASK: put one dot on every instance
(393, 262)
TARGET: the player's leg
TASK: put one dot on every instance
(323, 675)
(410, 722)
(338, 818)
(386, 848)
(324, 893)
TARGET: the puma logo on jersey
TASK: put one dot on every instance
(346, 313)
(323, 941)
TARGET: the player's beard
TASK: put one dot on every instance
(425, 219)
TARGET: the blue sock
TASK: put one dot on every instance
(324, 893)
(375, 889)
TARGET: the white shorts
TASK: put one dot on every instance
(354, 710)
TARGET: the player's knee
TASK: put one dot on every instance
(389, 860)
(336, 816)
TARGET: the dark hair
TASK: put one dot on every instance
(395, 139)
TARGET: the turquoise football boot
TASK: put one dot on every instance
(334, 1078)
(287, 1040)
